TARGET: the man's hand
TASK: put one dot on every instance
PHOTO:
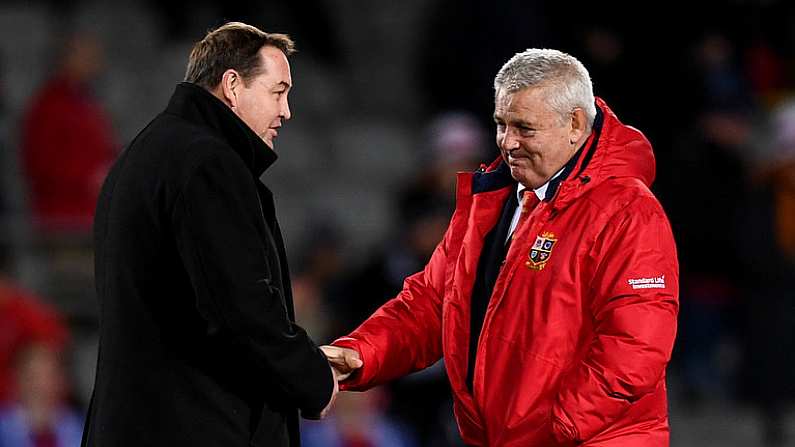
(344, 360)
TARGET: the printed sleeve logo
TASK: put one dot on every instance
(541, 251)
(657, 282)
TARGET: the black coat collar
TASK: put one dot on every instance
(199, 106)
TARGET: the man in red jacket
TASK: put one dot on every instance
(554, 293)
(67, 142)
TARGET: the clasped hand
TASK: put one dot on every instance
(343, 362)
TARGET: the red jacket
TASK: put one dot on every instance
(67, 147)
(24, 321)
(582, 319)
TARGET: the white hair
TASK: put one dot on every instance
(567, 82)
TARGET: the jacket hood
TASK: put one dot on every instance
(622, 151)
(613, 150)
(199, 106)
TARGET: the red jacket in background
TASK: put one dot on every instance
(582, 318)
(24, 321)
(66, 149)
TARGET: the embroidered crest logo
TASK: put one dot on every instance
(541, 251)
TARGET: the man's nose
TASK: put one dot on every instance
(508, 141)
(285, 112)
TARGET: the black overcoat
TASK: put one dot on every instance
(198, 345)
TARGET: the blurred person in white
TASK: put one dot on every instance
(40, 415)
(456, 142)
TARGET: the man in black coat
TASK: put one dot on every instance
(198, 344)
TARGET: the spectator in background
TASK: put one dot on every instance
(417, 400)
(40, 416)
(315, 279)
(5, 161)
(67, 142)
(359, 420)
(709, 188)
(33, 391)
(24, 321)
(768, 261)
(456, 143)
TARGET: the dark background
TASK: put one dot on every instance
(390, 99)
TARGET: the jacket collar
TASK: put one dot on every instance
(199, 106)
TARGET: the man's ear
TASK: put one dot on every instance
(579, 125)
(230, 84)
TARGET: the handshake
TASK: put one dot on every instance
(343, 363)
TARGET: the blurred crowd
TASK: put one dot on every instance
(390, 101)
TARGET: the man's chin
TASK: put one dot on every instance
(268, 142)
(531, 182)
(517, 174)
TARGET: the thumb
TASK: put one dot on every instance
(332, 353)
(353, 361)
(351, 358)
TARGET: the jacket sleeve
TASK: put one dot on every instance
(220, 234)
(634, 311)
(405, 334)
